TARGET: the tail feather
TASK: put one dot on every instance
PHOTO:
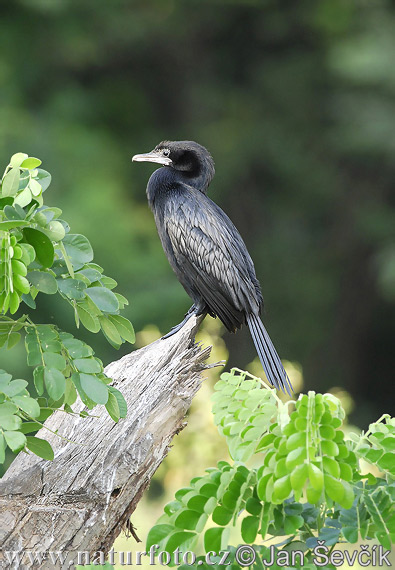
(268, 356)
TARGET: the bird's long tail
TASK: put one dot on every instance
(268, 356)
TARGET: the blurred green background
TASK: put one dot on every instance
(296, 102)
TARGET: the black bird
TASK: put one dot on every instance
(205, 249)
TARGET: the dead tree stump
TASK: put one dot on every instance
(82, 499)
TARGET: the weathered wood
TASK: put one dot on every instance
(81, 500)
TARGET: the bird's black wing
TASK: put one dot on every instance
(212, 256)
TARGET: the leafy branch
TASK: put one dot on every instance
(38, 254)
(305, 484)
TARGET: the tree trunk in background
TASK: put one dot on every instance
(83, 499)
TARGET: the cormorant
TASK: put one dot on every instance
(205, 249)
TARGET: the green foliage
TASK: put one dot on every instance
(305, 484)
(288, 135)
(243, 413)
(38, 254)
(377, 446)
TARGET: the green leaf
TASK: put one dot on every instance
(2, 448)
(121, 300)
(222, 516)
(249, 528)
(39, 447)
(91, 274)
(10, 183)
(13, 339)
(31, 163)
(15, 440)
(28, 427)
(23, 198)
(54, 360)
(103, 298)
(46, 333)
(296, 440)
(94, 388)
(76, 348)
(10, 422)
(70, 395)
(38, 375)
(229, 499)
(6, 326)
(75, 378)
(281, 488)
(253, 506)
(112, 407)
(42, 246)
(78, 248)
(35, 187)
(54, 230)
(293, 523)
(187, 519)
(197, 503)
(108, 282)
(21, 283)
(18, 158)
(28, 405)
(43, 281)
(331, 466)
(295, 457)
(14, 213)
(348, 497)
(298, 477)
(44, 178)
(90, 306)
(89, 321)
(28, 253)
(124, 327)
(18, 267)
(110, 330)
(13, 388)
(3, 339)
(316, 477)
(313, 496)
(7, 409)
(183, 540)
(8, 225)
(387, 462)
(33, 352)
(121, 401)
(216, 539)
(55, 383)
(89, 365)
(72, 288)
(333, 488)
(158, 534)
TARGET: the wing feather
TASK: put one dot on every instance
(211, 253)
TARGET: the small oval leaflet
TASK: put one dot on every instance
(44, 282)
(31, 163)
(42, 245)
(10, 183)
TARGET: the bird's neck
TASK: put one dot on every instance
(161, 182)
(166, 180)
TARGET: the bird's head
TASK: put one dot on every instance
(191, 159)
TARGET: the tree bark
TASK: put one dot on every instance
(81, 501)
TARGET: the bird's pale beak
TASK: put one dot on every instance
(153, 156)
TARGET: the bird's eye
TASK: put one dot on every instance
(166, 152)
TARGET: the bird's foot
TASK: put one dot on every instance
(178, 327)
